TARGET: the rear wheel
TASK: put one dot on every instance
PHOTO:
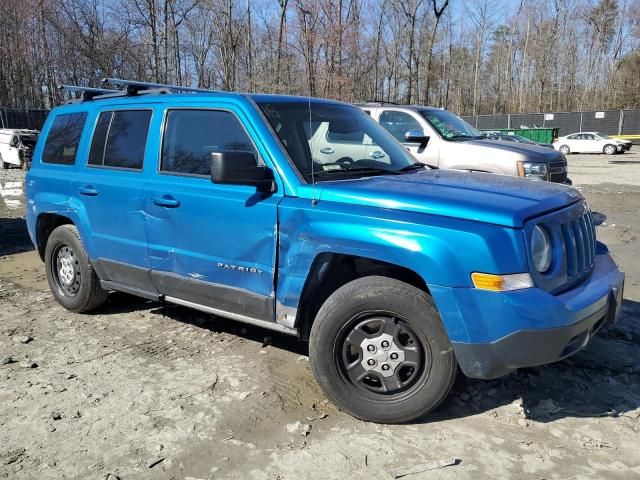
(71, 277)
(379, 351)
(609, 149)
(564, 149)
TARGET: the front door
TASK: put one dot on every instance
(209, 244)
(398, 123)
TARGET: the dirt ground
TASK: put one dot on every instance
(144, 390)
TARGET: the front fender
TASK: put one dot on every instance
(441, 250)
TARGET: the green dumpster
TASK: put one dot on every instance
(543, 135)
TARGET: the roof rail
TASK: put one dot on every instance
(133, 87)
(381, 102)
(87, 93)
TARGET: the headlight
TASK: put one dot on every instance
(534, 170)
(540, 249)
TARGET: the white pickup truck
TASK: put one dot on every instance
(16, 147)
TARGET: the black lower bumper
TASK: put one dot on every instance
(529, 348)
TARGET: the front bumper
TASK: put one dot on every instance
(495, 333)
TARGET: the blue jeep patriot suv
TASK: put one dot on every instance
(305, 216)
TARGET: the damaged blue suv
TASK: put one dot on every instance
(306, 217)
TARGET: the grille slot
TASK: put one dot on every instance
(579, 238)
(558, 171)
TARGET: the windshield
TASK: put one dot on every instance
(602, 135)
(335, 141)
(449, 125)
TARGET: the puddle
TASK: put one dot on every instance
(12, 194)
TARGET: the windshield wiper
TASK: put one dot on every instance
(465, 137)
(347, 171)
(411, 167)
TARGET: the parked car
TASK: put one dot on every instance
(16, 147)
(501, 137)
(591, 142)
(394, 273)
(441, 139)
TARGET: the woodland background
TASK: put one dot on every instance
(471, 57)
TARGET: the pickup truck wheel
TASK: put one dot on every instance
(71, 277)
(379, 351)
(610, 149)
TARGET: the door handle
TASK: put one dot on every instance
(88, 190)
(327, 150)
(166, 201)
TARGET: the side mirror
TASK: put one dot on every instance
(416, 136)
(240, 168)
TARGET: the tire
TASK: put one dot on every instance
(564, 149)
(72, 279)
(610, 149)
(357, 317)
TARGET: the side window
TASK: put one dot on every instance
(398, 123)
(587, 136)
(120, 139)
(191, 136)
(62, 142)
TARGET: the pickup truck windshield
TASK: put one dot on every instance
(336, 141)
(449, 125)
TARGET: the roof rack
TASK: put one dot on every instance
(131, 88)
(87, 93)
(134, 87)
(379, 102)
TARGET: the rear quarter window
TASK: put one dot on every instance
(63, 138)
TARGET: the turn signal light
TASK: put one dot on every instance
(501, 283)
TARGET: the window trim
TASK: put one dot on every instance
(78, 146)
(93, 131)
(165, 119)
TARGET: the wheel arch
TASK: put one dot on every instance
(46, 223)
(330, 271)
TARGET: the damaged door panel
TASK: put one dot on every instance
(210, 244)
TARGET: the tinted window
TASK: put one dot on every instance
(64, 135)
(191, 136)
(120, 138)
(398, 123)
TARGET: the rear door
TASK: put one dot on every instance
(211, 245)
(110, 186)
(330, 146)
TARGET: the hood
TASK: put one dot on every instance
(483, 197)
(526, 151)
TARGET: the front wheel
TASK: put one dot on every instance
(379, 351)
(610, 149)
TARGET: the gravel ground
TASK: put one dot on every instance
(144, 390)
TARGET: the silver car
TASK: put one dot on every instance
(441, 139)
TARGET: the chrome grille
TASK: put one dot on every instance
(558, 171)
(579, 238)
